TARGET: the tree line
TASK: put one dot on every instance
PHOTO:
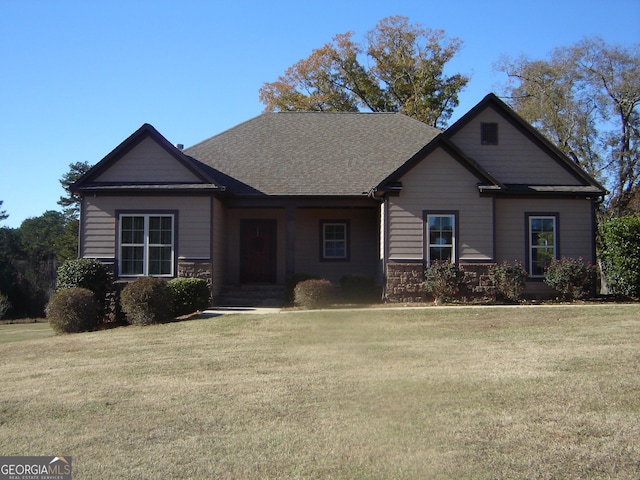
(31, 254)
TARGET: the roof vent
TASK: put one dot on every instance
(179, 146)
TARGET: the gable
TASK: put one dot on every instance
(146, 162)
(514, 158)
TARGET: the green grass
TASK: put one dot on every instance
(18, 332)
(464, 393)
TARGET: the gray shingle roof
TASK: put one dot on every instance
(312, 153)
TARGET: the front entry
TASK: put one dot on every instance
(258, 251)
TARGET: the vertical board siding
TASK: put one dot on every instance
(515, 159)
(193, 229)
(148, 162)
(440, 183)
(575, 227)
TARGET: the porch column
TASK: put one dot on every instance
(290, 241)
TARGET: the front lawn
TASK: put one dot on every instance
(476, 393)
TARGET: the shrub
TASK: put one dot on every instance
(314, 293)
(85, 273)
(294, 280)
(358, 288)
(73, 310)
(571, 278)
(4, 304)
(621, 255)
(146, 300)
(442, 280)
(189, 295)
(508, 280)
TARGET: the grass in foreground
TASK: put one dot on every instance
(544, 392)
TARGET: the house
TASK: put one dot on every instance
(379, 194)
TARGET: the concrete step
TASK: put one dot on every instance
(251, 296)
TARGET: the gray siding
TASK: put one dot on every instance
(515, 159)
(440, 183)
(575, 227)
(147, 162)
(193, 228)
(364, 244)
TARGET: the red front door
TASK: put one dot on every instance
(258, 251)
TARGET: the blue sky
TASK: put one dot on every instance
(79, 76)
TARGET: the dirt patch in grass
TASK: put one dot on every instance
(546, 392)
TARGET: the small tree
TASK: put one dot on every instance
(442, 280)
(508, 280)
(571, 278)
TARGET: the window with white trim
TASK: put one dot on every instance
(441, 237)
(334, 240)
(542, 243)
(146, 245)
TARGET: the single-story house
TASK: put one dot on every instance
(379, 194)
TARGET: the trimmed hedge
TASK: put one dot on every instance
(189, 295)
(147, 300)
(314, 293)
(293, 281)
(85, 273)
(358, 288)
(73, 310)
(621, 255)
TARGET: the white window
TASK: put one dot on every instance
(542, 243)
(146, 245)
(441, 237)
(334, 241)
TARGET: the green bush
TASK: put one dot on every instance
(620, 255)
(4, 304)
(85, 273)
(294, 280)
(571, 278)
(358, 288)
(508, 280)
(443, 280)
(314, 293)
(147, 300)
(189, 295)
(73, 310)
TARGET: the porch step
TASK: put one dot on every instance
(251, 296)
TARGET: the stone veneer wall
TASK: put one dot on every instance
(195, 269)
(404, 283)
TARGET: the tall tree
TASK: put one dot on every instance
(71, 202)
(406, 74)
(586, 99)
(3, 213)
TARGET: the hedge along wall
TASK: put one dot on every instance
(404, 282)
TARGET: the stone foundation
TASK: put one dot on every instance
(404, 283)
(195, 269)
